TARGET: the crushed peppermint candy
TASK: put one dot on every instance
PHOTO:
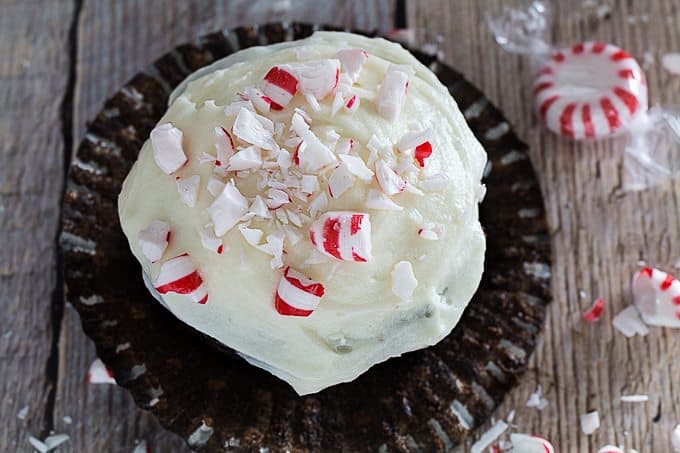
(246, 159)
(489, 437)
(610, 449)
(403, 280)
(23, 413)
(166, 141)
(671, 63)
(188, 189)
(317, 78)
(375, 199)
(418, 143)
(179, 275)
(352, 60)
(312, 155)
(675, 438)
(280, 85)
(526, 443)
(628, 322)
(154, 239)
(536, 400)
(345, 236)
(356, 166)
(340, 181)
(657, 297)
(389, 180)
(99, 373)
(227, 208)
(297, 295)
(392, 92)
(50, 443)
(249, 128)
(211, 242)
(590, 422)
(594, 313)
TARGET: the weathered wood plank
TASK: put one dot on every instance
(598, 232)
(116, 40)
(33, 76)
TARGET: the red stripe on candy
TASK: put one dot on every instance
(283, 308)
(587, 121)
(558, 57)
(185, 285)
(355, 224)
(546, 105)
(627, 74)
(666, 283)
(577, 49)
(546, 70)
(282, 79)
(628, 98)
(620, 55)
(315, 288)
(567, 120)
(542, 86)
(204, 300)
(676, 300)
(331, 237)
(610, 113)
(422, 152)
(647, 271)
(598, 47)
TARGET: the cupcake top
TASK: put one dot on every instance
(312, 205)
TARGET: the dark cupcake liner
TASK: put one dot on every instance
(428, 399)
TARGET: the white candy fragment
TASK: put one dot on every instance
(312, 155)
(352, 104)
(259, 208)
(634, 398)
(356, 166)
(536, 400)
(246, 159)
(248, 128)
(188, 189)
(345, 236)
(99, 373)
(403, 280)
(153, 240)
(489, 437)
(166, 141)
(318, 204)
(611, 449)
(317, 78)
(280, 85)
(276, 198)
(671, 63)
(274, 247)
(344, 147)
(215, 186)
(410, 140)
(657, 297)
(628, 322)
(297, 295)
(227, 209)
(309, 184)
(590, 422)
(430, 232)
(260, 101)
(210, 242)
(179, 275)
(388, 179)
(675, 438)
(378, 200)
(352, 60)
(340, 181)
(392, 93)
(525, 443)
(252, 236)
(224, 146)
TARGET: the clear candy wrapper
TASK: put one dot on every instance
(593, 90)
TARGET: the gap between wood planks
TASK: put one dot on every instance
(57, 300)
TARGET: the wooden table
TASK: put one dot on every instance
(62, 58)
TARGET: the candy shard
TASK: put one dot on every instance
(227, 209)
(590, 422)
(657, 296)
(594, 313)
(259, 100)
(388, 179)
(166, 141)
(345, 236)
(357, 167)
(312, 154)
(297, 295)
(153, 240)
(352, 60)
(246, 159)
(411, 140)
(340, 181)
(628, 322)
(215, 186)
(610, 449)
(403, 280)
(210, 242)
(224, 146)
(378, 200)
(179, 275)
(248, 128)
(99, 373)
(488, 437)
(675, 438)
(188, 189)
(280, 84)
(525, 443)
(392, 93)
(317, 78)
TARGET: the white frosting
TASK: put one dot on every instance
(360, 321)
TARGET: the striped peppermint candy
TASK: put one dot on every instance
(591, 90)
(345, 236)
(297, 295)
(179, 275)
(526, 443)
(279, 86)
(657, 297)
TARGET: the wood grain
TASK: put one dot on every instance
(598, 231)
(116, 40)
(33, 77)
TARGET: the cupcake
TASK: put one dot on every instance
(311, 205)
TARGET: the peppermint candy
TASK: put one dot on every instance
(345, 236)
(280, 85)
(227, 209)
(610, 449)
(317, 78)
(392, 92)
(352, 60)
(590, 90)
(188, 189)
(526, 443)
(99, 373)
(179, 275)
(297, 295)
(154, 239)
(166, 141)
(657, 297)
(594, 313)
(420, 142)
(389, 180)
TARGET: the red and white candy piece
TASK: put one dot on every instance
(590, 90)
(657, 297)
(249, 128)
(227, 209)
(297, 295)
(420, 142)
(312, 155)
(345, 236)
(179, 275)
(594, 313)
(317, 78)
(526, 443)
(188, 189)
(99, 373)
(610, 449)
(389, 181)
(280, 85)
(153, 240)
(166, 141)
(392, 92)
(352, 61)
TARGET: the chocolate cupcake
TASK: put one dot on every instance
(313, 207)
